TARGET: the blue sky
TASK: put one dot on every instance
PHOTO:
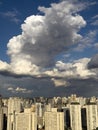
(52, 45)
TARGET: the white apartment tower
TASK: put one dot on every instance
(26, 120)
(1, 114)
(75, 116)
(14, 106)
(1, 118)
(54, 120)
(92, 118)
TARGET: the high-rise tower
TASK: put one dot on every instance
(92, 118)
(54, 120)
(75, 116)
(14, 105)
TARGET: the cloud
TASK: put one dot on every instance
(46, 87)
(10, 89)
(4, 66)
(95, 20)
(60, 82)
(93, 63)
(11, 15)
(94, 17)
(37, 86)
(25, 67)
(96, 45)
(19, 69)
(87, 41)
(95, 23)
(45, 36)
(76, 69)
(81, 68)
(66, 55)
(19, 90)
(83, 87)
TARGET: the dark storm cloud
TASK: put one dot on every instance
(46, 87)
(84, 87)
(93, 62)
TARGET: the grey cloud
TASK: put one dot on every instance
(93, 62)
(6, 73)
(95, 23)
(45, 87)
(87, 41)
(96, 45)
(11, 74)
(84, 87)
(95, 17)
(40, 87)
(11, 15)
(94, 20)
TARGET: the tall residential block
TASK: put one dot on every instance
(54, 120)
(1, 118)
(14, 106)
(26, 120)
(92, 118)
(75, 116)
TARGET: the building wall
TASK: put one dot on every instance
(1, 118)
(54, 120)
(14, 105)
(92, 118)
(26, 121)
(75, 117)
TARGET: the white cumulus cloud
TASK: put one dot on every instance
(19, 90)
(60, 82)
(75, 69)
(45, 36)
(4, 66)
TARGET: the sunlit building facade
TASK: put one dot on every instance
(26, 120)
(54, 120)
(75, 116)
(92, 118)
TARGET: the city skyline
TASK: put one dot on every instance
(57, 113)
(48, 48)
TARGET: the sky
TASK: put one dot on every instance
(48, 48)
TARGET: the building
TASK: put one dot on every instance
(84, 118)
(66, 117)
(75, 116)
(1, 118)
(92, 118)
(14, 106)
(26, 120)
(54, 120)
(48, 107)
(39, 109)
(1, 113)
(5, 115)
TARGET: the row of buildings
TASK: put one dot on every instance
(72, 113)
